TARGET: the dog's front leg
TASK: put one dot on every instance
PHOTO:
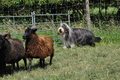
(64, 45)
(72, 45)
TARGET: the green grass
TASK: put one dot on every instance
(110, 10)
(80, 63)
(108, 36)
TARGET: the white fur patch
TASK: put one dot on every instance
(61, 30)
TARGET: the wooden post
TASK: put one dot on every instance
(87, 12)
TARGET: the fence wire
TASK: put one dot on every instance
(104, 14)
(17, 24)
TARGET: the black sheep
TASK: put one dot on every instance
(11, 52)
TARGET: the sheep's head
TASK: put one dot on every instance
(29, 32)
(8, 35)
(2, 40)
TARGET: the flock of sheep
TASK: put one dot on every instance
(36, 46)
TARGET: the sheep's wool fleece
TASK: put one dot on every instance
(39, 44)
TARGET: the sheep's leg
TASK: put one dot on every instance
(51, 56)
(25, 62)
(3, 68)
(30, 62)
(13, 65)
(17, 65)
(42, 62)
(12, 68)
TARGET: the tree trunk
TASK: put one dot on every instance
(87, 12)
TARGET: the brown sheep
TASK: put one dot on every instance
(38, 46)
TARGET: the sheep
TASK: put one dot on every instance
(38, 46)
(8, 35)
(12, 51)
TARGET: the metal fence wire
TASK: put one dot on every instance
(46, 14)
(15, 23)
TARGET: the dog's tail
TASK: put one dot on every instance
(98, 39)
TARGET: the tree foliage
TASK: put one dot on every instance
(76, 7)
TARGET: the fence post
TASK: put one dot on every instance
(52, 18)
(14, 27)
(33, 18)
(87, 14)
(68, 18)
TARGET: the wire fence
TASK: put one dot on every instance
(102, 11)
(15, 23)
(104, 14)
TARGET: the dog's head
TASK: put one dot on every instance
(63, 28)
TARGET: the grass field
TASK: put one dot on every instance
(80, 63)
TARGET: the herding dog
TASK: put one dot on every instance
(72, 37)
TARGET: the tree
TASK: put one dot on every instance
(88, 21)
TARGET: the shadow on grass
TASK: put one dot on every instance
(33, 66)
(8, 70)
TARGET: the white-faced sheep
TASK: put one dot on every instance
(38, 46)
(11, 52)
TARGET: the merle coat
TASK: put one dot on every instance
(84, 37)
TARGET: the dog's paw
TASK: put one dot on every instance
(64, 47)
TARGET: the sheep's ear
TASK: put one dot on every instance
(34, 29)
(5, 35)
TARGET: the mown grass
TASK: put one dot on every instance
(80, 63)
